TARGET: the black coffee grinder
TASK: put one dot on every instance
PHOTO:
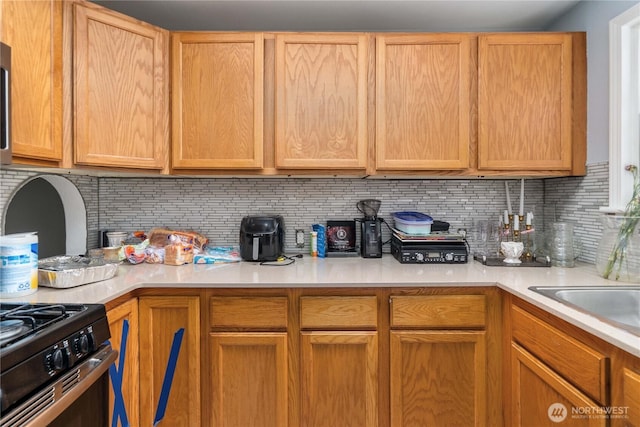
(370, 229)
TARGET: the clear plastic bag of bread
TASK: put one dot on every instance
(177, 252)
(161, 237)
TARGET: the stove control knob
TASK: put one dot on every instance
(91, 342)
(58, 360)
(81, 344)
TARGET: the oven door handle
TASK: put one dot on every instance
(63, 392)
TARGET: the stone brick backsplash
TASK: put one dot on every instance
(215, 206)
(578, 200)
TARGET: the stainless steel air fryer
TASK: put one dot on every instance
(261, 237)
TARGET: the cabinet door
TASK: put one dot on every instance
(120, 91)
(438, 378)
(249, 379)
(339, 379)
(525, 101)
(321, 101)
(217, 100)
(33, 29)
(543, 398)
(423, 85)
(130, 380)
(631, 396)
(160, 319)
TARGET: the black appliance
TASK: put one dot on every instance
(49, 355)
(261, 237)
(5, 104)
(435, 250)
(370, 229)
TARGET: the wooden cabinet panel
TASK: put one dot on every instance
(339, 312)
(217, 100)
(321, 101)
(631, 396)
(160, 319)
(543, 398)
(584, 366)
(120, 91)
(339, 379)
(423, 110)
(248, 312)
(249, 379)
(33, 29)
(525, 101)
(438, 378)
(130, 380)
(433, 311)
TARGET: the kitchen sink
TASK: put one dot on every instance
(618, 306)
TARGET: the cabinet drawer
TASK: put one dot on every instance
(581, 365)
(338, 312)
(248, 312)
(438, 311)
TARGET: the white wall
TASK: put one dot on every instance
(593, 17)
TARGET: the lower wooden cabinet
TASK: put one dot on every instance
(438, 378)
(339, 379)
(625, 393)
(438, 357)
(544, 398)
(356, 357)
(130, 371)
(248, 379)
(339, 371)
(561, 375)
(160, 318)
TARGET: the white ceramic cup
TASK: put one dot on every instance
(512, 252)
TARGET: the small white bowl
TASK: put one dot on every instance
(512, 252)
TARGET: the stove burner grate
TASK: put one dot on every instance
(22, 320)
(10, 328)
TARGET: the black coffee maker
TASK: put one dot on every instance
(370, 229)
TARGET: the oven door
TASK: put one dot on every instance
(77, 398)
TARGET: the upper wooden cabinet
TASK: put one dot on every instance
(121, 86)
(531, 102)
(33, 29)
(321, 101)
(217, 100)
(423, 90)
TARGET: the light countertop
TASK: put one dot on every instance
(355, 272)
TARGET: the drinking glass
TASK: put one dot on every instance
(562, 245)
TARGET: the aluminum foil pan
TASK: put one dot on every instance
(71, 271)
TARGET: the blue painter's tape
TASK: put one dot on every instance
(117, 374)
(168, 376)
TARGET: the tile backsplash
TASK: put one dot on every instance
(578, 200)
(215, 206)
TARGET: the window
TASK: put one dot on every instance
(624, 109)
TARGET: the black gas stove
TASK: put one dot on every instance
(40, 343)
